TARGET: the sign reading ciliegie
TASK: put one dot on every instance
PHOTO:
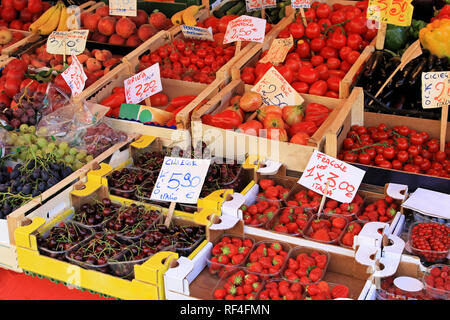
(435, 89)
(180, 180)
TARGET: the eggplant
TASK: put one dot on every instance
(398, 102)
(404, 74)
(374, 62)
(416, 73)
(442, 61)
(431, 61)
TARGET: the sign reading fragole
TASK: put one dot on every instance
(67, 42)
(143, 85)
(278, 50)
(275, 90)
(397, 12)
(75, 77)
(297, 4)
(245, 28)
(435, 89)
(123, 8)
(180, 180)
(197, 33)
(343, 179)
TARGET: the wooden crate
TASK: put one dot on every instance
(29, 37)
(148, 281)
(345, 86)
(294, 156)
(379, 176)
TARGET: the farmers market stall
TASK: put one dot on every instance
(224, 150)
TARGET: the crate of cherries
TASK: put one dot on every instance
(430, 241)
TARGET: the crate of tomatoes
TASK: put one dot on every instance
(326, 54)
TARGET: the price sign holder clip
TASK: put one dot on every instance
(385, 248)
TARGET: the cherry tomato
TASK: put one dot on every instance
(416, 139)
(385, 164)
(350, 157)
(303, 49)
(364, 158)
(397, 165)
(317, 60)
(248, 78)
(297, 30)
(337, 17)
(322, 70)
(352, 57)
(338, 41)
(312, 30)
(413, 150)
(300, 87)
(308, 75)
(328, 52)
(333, 84)
(354, 41)
(323, 10)
(333, 63)
(344, 52)
(318, 88)
(317, 44)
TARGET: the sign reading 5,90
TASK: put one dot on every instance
(180, 180)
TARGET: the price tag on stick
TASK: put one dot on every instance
(278, 50)
(143, 85)
(275, 90)
(75, 77)
(297, 4)
(67, 42)
(197, 33)
(245, 28)
(331, 177)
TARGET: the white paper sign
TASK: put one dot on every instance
(67, 42)
(296, 4)
(253, 5)
(275, 90)
(197, 33)
(245, 28)
(143, 85)
(75, 76)
(123, 8)
(180, 180)
(435, 89)
(344, 179)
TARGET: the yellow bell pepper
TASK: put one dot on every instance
(435, 37)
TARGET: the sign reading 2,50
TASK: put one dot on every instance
(187, 181)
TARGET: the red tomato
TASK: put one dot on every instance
(337, 17)
(317, 60)
(356, 25)
(323, 10)
(297, 30)
(317, 44)
(287, 73)
(323, 23)
(344, 52)
(345, 66)
(338, 41)
(303, 49)
(336, 73)
(352, 57)
(312, 30)
(333, 84)
(354, 41)
(308, 75)
(332, 94)
(322, 70)
(300, 87)
(318, 88)
(248, 78)
(292, 64)
(328, 52)
(333, 63)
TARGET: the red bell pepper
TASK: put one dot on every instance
(227, 119)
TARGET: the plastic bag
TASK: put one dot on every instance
(55, 99)
(70, 122)
(101, 137)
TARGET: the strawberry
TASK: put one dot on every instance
(237, 259)
(321, 235)
(255, 267)
(347, 239)
(229, 249)
(292, 264)
(262, 205)
(266, 262)
(265, 183)
(340, 291)
(276, 247)
(391, 212)
(321, 261)
(339, 222)
(256, 286)
(302, 272)
(250, 278)
(223, 259)
(312, 289)
(277, 261)
(292, 227)
(435, 272)
(315, 274)
(323, 286)
(253, 209)
(237, 242)
(219, 293)
(281, 228)
(247, 288)
(332, 204)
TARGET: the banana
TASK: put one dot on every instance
(42, 19)
(177, 18)
(62, 25)
(189, 13)
(52, 23)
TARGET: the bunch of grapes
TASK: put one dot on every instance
(27, 110)
(26, 144)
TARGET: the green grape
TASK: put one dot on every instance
(22, 156)
(51, 146)
(39, 153)
(73, 151)
(59, 153)
(34, 138)
(34, 148)
(77, 165)
(21, 141)
(42, 131)
(81, 154)
(32, 129)
(27, 137)
(89, 158)
(63, 146)
(41, 142)
(69, 159)
(23, 128)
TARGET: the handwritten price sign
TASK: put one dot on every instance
(75, 77)
(253, 5)
(67, 42)
(343, 179)
(180, 180)
(197, 33)
(435, 89)
(245, 28)
(269, 3)
(275, 90)
(296, 4)
(143, 85)
(123, 8)
(278, 50)
(397, 12)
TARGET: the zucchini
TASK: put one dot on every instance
(241, 11)
(219, 13)
(236, 8)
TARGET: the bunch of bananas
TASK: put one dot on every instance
(186, 16)
(54, 19)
